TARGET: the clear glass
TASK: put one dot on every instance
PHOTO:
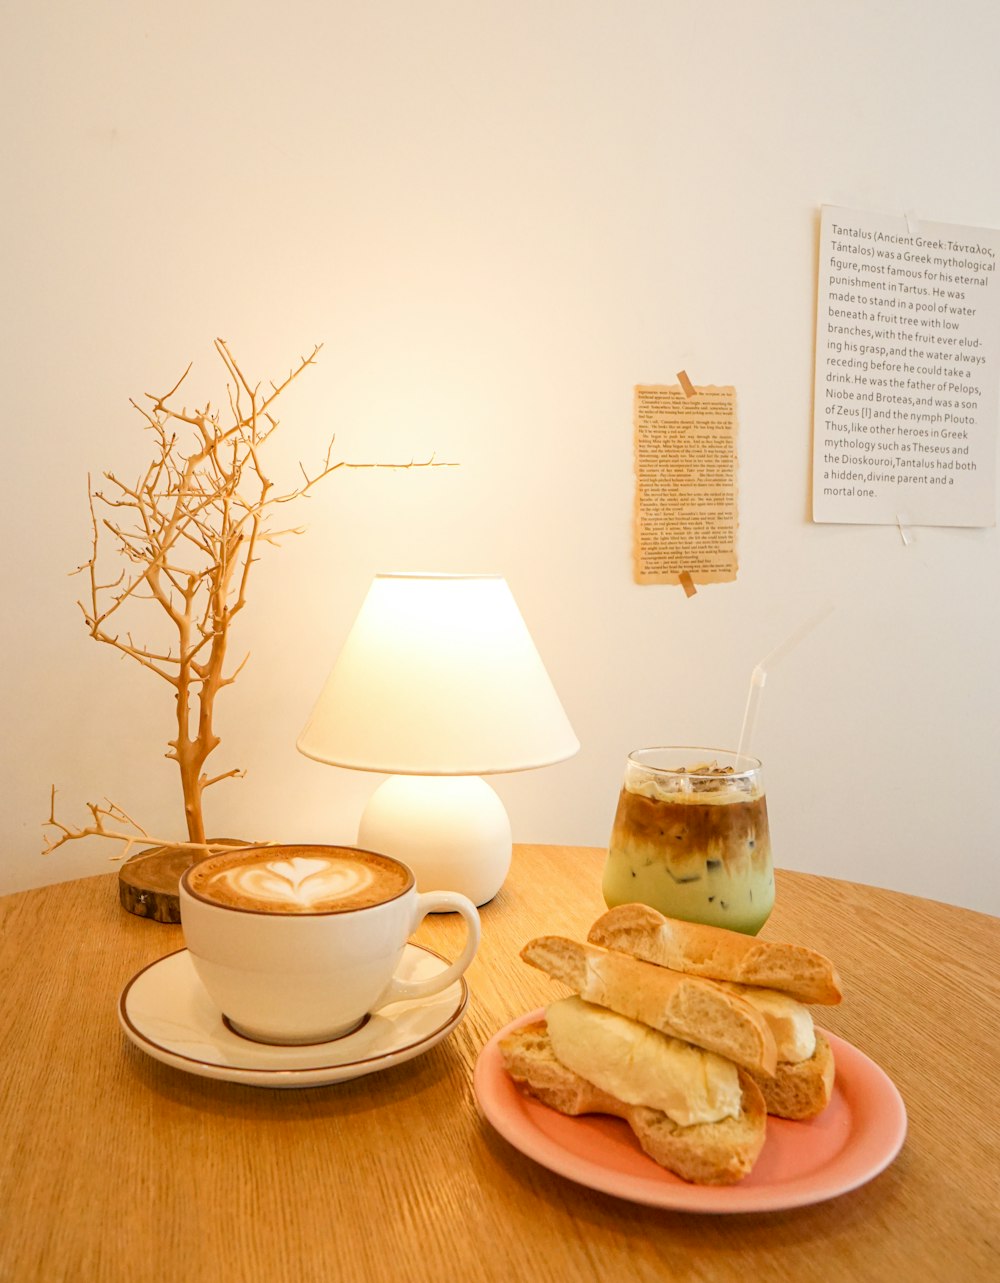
(691, 838)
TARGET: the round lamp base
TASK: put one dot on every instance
(452, 830)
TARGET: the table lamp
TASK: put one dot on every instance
(438, 684)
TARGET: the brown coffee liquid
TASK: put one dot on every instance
(690, 830)
(299, 879)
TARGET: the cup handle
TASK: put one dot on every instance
(431, 902)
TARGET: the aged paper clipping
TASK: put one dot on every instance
(685, 485)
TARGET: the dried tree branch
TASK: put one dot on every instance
(189, 530)
(107, 819)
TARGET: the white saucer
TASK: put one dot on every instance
(167, 1013)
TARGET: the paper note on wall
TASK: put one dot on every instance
(907, 369)
(685, 485)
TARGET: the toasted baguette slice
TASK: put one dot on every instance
(696, 1011)
(705, 1153)
(718, 954)
(800, 1090)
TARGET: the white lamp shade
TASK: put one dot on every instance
(438, 676)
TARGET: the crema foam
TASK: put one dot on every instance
(299, 879)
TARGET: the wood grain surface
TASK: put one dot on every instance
(115, 1167)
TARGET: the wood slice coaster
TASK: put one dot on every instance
(148, 882)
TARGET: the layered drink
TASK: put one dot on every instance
(691, 839)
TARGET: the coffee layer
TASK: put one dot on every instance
(299, 880)
(728, 828)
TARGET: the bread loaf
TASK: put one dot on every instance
(705, 1153)
(717, 954)
(684, 1007)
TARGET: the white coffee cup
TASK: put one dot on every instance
(298, 944)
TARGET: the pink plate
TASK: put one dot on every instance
(857, 1136)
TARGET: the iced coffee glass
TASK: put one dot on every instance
(690, 838)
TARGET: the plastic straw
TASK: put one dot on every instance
(759, 675)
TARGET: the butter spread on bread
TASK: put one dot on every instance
(790, 1022)
(642, 1066)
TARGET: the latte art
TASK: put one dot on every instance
(299, 879)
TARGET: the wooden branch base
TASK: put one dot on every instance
(148, 882)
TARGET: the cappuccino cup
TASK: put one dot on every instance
(299, 944)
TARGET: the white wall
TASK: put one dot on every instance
(498, 217)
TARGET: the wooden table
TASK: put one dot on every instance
(115, 1167)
